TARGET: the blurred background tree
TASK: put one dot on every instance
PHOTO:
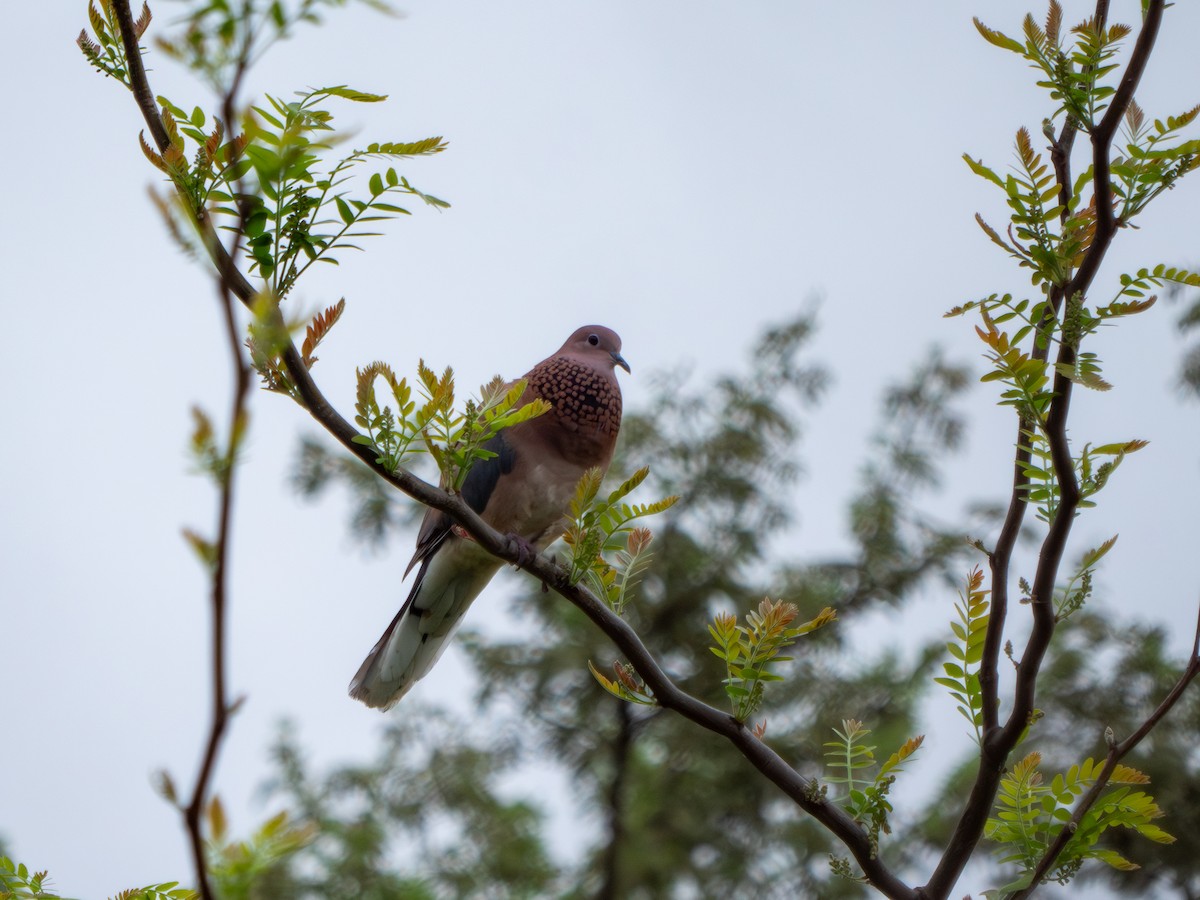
(646, 780)
(642, 782)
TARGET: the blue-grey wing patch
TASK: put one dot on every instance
(481, 480)
(476, 491)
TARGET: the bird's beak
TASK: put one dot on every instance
(619, 360)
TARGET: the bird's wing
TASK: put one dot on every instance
(452, 574)
(477, 489)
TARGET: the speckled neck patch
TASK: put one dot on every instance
(582, 397)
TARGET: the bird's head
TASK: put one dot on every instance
(597, 345)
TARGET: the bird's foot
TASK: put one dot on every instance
(526, 552)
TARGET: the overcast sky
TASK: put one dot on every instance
(684, 172)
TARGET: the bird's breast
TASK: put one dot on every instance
(584, 400)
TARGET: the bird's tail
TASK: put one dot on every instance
(421, 631)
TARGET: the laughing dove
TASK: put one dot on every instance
(525, 490)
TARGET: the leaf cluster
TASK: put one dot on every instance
(604, 525)
(1093, 467)
(749, 651)
(273, 182)
(18, 883)
(865, 782)
(216, 164)
(1155, 159)
(1054, 221)
(1030, 814)
(1019, 361)
(1070, 598)
(270, 335)
(625, 684)
(455, 440)
(966, 650)
(211, 458)
(1023, 371)
(216, 461)
(237, 867)
(295, 208)
(107, 52)
(1139, 284)
(1115, 670)
(222, 38)
(1073, 74)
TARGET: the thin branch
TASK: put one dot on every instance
(1116, 753)
(999, 562)
(801, 790)
(220, 704)
(138, 83)
(194, 811)
(1000, 559)
(998, 743)
(1056, 421)
(1102, 137)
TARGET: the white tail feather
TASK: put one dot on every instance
(420, 633)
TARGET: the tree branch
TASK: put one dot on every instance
(801, 790)
(220, 704)
(999, 561)
(138, 83)
(1102, 136)
(1054, 545)
(999, 742)
(1116, 752)
(194, 811)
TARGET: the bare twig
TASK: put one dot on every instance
(220, 703)
(1116, 752)
(220, 711)
(999, 561)
(138, 83)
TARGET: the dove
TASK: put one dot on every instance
(524, 491)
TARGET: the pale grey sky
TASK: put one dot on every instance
(682, 172)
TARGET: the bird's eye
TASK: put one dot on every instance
(593, 340)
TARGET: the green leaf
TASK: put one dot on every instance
(1115, 859)
(983, 171)
(997, 38)
(347, 93)
(388, 207)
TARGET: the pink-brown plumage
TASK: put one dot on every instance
(525, 491)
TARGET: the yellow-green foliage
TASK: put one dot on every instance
(962, 671)
(750, 650)
(1030, 814)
